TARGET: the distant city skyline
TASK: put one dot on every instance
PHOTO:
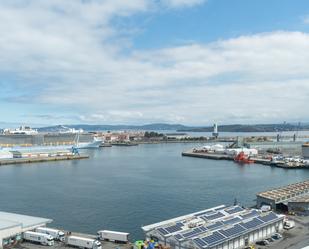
(192, 62)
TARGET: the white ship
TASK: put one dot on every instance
(22, 130)
(88, 145)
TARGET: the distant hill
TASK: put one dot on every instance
(183, 128)
(147, 127)
(251, 128)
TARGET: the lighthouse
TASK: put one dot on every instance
(215, 133)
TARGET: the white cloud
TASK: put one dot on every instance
(182, 3)
(63, 54)
(306, 19)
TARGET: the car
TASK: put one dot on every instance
(276, 236)
(249, 247)
(270, 239)
(262, 242)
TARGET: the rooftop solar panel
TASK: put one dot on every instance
(252, 223)
(205, 213)
(215, 225)
(269, 217)
(178, 236)
(214, 238)
(163, 231)
(234, 210)
(193, 233)
(252, 213)
(174, 228)
(204, 229)
(233, 231)
(214, 216)
(200, 242)
(232, 221)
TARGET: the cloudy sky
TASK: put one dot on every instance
(142, 61)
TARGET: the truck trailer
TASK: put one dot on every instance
(113, 236)
(42, 238)
(83, 242)
(57, 234)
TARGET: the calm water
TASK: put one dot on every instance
(122, 188)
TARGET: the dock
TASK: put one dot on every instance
(41, 159)
(257, 159)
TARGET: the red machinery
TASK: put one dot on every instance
(242, 158)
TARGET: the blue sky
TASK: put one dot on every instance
(141, 61)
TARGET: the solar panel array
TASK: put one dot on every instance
(230, 226)
(215, 225)
(252, 223)
(269, 217)
(214, 238)
(174, 228)
(214, 216)
(251, 214)
(233, 231)
(232, 221)
(234, 210)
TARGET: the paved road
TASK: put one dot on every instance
(296, 238)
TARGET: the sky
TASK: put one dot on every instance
(193, 62)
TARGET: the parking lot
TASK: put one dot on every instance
(295, 238)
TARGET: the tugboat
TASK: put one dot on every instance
(243, 158)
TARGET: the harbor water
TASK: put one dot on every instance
(123, 188)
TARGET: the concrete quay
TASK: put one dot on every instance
(257, 160)
(41, 159)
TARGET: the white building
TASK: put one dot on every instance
(216, 228)
(13, 225)
(305, 151)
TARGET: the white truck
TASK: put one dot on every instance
(83, 242)
(288, 224)
(57, 234)
(113, 236)
(42, 238)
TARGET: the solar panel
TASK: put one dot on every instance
(232, 221)
(235, 230)
(214, 238)
(269, 217)
(252, 213)
(215, 225)
(204, 229)
(233, 210)
(194, 232)
(214, 216)
(178, 236)
(174, 228)
(163, 231)
(252, 223)
(199, 242)
(204, 213)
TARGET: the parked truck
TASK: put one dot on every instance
(82, 242)
(288, 224)
(113, 236)
(57, 234)
(42, 238)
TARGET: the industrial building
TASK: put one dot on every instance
(13, 225)
(305, 150)
(293, 197)
(220, 227)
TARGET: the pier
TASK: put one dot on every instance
(41, 159)
(257, 159)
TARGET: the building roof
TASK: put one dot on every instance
(302, 198)
(213, 226)
(6, 224)
(287, 192)
(25, 221)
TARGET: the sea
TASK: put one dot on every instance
(124, 188)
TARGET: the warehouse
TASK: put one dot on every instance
(305, 151)
(280, 198)
(13, 225)
(216, 228)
